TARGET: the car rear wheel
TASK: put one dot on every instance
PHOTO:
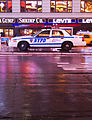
(67, 46)
(23, 46)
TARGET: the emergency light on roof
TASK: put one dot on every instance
(83, 32)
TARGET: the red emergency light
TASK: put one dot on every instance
(68, 25)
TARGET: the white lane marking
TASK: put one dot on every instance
(85, 63)
(67, 63)
(74, 68)
(69, 68)
(40, 53)
(77, 69)
(14, 55)
(59, 66)
(63, 63)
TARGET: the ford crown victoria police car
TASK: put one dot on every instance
(47, 38)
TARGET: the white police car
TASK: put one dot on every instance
(47, 38)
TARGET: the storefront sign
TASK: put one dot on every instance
(7, 20)
(66, 20)
(85, 20)
(43, 20)
(31, 20)
(4, 39)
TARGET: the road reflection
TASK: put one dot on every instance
(42, 86)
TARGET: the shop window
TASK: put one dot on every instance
(69, 6)
(10, 32)
(39, 6)
(52, 6)
(61, 6)
(86, 5)
(3, 7)
(31, 6)
(1, 32)
(9, 6)
(23, 6)
(6, 32)
(6, 6)
(26, 32)
(86, 36)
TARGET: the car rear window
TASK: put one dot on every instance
(86, 36)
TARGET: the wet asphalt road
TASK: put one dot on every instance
(46, 86)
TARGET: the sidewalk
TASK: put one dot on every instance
(5, 48)
(10, 50)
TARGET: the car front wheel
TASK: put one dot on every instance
(23, 46)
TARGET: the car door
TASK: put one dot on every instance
(57, 38)
(42, 39)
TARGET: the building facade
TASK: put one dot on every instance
(21, 17)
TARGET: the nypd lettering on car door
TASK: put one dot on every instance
(46, 42)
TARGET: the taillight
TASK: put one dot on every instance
(82, 38)
(10, 38)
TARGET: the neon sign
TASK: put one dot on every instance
(7, 20)
(88, 20)
(62, 20)
(31, 20)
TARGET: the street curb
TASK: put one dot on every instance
(41, 53)
(6, 50)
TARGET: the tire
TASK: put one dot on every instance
(23, 46)
(67, 46)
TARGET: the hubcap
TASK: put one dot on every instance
(22, 45)
(67, 45)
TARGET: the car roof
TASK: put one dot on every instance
(51, 29)
(84, 32)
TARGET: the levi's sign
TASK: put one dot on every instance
(85, 20)
(61, 20)
(66, 20)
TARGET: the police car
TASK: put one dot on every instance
(47, 38)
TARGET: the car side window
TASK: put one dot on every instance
(57, 33)
(44, 34)
(86, 36)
